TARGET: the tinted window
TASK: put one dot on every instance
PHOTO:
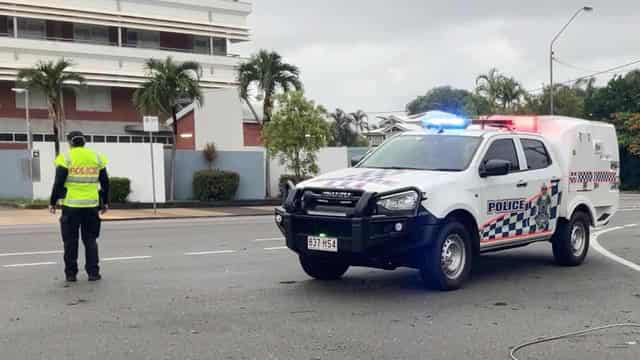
(424, 152)
(503, 149)
(536, 154)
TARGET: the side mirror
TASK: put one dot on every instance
(495, 167)
(355, 160)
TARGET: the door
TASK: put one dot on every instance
(543, 186)
(503, 197)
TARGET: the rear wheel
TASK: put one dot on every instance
(323, 268)
(448, 260)
(571, 240)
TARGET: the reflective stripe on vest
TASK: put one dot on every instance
(83, 179)
(81, 202)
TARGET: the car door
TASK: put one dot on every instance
(543, 186)
(503, 197)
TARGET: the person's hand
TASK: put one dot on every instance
(104, 209)
(52, 209)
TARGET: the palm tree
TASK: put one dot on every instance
(269, 73)
(360, 120)
(342, 133)
(169, 84)
(489, 84)
(51, 78)
(510, 93)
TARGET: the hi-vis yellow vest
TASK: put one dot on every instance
(84, 167)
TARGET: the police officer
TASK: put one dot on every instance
(78, 174)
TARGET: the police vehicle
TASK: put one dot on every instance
(434, 199)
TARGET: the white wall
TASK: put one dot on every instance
(132, 161)
(219, 120)
(329, 159)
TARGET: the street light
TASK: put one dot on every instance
(29, 137)
(585, 9)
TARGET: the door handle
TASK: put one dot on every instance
(522, 184)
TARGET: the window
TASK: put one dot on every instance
(219, 46)
(96, 99)
(125, 139)
(112, 139)
(91, 33)
(6, 137)
(49, 138)
(6, 26)
(98, 138)
(38, 137)
(137, 139)
(536, 154)
(37, 100)
(424, 152)
(32, 28)
(201, 44)
(503, 149)
(142, 38)
(20, 137)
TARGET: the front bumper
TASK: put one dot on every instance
(363, 241)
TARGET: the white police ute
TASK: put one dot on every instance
(434, 199)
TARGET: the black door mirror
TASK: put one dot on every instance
(355, 160)
(495, 167)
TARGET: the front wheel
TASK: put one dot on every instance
(571, 240)
(448, 261)
(323, 268)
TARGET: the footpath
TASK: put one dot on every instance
(11, 216)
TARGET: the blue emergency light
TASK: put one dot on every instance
(440, 120)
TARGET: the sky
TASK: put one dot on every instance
(378, 55)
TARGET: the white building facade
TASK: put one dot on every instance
(108, 42)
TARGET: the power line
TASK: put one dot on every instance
(615, 68)
(573, 66)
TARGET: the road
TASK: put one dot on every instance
(227, 289)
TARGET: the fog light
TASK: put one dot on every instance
(399, 227)
(279, 219)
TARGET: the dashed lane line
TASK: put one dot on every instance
(30, 264)
(32, 253)
(127, 258)
(269, 239)
(275, 248)
(215, 252)
(596, 246)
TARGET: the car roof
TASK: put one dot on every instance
(473, 131)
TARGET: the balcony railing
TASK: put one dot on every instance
(61, 39)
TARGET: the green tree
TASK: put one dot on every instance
(360, 120)
(296, 133)
(443, 98)
(269, 73)
(628, 127)
(342, 133)
(621, 94)
(489, 85)
(168, 87)
(568, 101)
(51, 78)
(510, 94)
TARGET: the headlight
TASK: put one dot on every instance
(399, 202)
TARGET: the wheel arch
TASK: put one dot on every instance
(469, 221)
(582, 204)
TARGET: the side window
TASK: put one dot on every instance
(536, 154)
(503, 149)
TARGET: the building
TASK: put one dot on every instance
(108, 42)
(392, 124)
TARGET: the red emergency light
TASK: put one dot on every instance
(511, 122)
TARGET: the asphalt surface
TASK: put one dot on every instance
(227, 289)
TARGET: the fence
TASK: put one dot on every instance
(248, 164)
(15, 183)
(132, 161)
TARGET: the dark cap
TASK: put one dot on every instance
(76, 138)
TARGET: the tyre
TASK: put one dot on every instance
(571, 240)
(323, 268)
(448, 260)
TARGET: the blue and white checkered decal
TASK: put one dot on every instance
(538, 217)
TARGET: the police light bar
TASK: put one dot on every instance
(440, 120)
(511, 122)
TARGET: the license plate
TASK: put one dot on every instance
(322, 243)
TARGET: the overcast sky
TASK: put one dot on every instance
(377, 55)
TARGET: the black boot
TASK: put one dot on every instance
(71, 278)
(95, 277)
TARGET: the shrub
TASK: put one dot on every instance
(215, 185)
(284, 180)
(119, 189)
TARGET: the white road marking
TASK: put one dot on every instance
(31, 264)
(596, 246)
(216, 252)
(275, 248)
(32, 253)
(269, 239)
(126, 258)
(625, 210)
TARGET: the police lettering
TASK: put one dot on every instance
(83, 170)
(507, 205)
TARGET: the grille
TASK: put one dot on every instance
(330, 202)
(317, 226)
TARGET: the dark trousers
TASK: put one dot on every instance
(73, 222)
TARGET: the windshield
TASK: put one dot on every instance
(424, 152)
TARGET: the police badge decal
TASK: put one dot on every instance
(543, 204)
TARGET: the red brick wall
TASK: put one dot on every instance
(252, 134)
(186, 125)
(175, 41)
(11, 146)
(121, 105)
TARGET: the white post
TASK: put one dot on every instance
(29, 137)
(153, 174)
(15, 27)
